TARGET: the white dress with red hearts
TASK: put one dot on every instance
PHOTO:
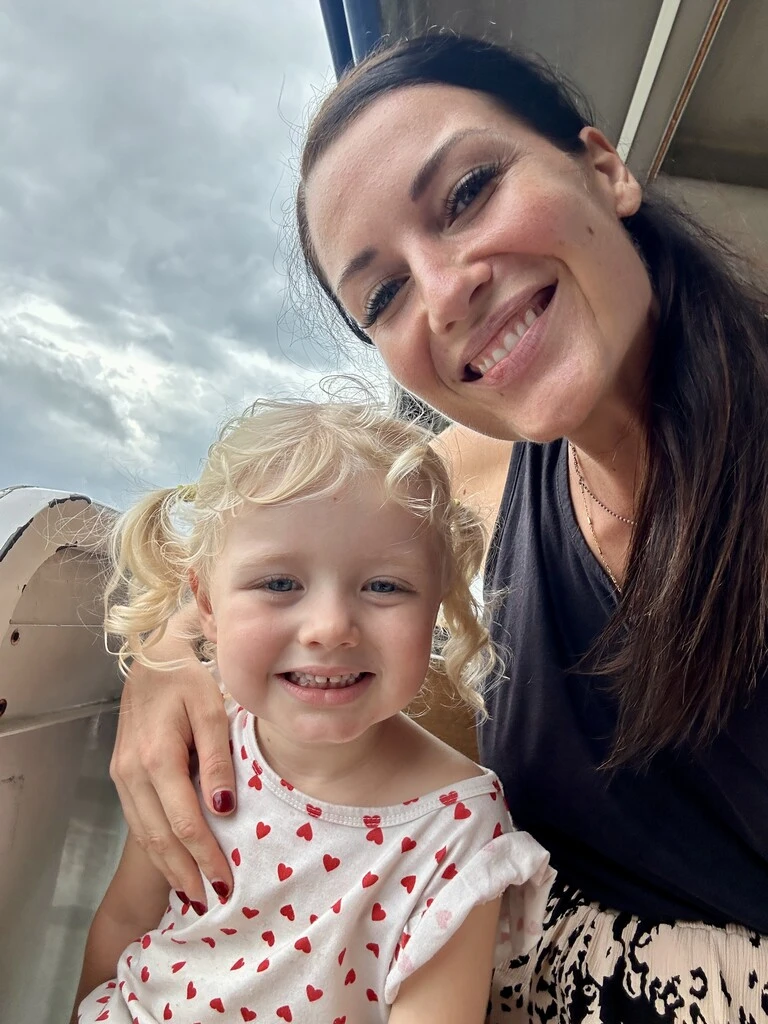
(333, 906)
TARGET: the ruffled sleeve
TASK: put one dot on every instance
(512, 865)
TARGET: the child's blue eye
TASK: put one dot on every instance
(279, 585)
(383, 587)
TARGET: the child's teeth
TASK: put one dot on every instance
(520, 329)
(530, 317)
(323, 682)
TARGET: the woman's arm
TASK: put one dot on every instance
(163, 717)
(134, 902)
(453, 987)
(478, 466)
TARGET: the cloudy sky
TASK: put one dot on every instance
(145, 188)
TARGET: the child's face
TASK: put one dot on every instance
(323, 612)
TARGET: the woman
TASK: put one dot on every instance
(463, 215)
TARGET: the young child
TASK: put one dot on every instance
(377, 875)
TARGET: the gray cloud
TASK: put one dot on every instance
(146, 165)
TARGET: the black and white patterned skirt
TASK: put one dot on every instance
(607, 967)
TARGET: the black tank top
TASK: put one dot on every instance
(686, 838)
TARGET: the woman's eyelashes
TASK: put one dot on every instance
(468, 188)
(460, 198)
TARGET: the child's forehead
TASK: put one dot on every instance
(358, 513)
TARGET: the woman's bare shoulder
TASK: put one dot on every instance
(478, 467)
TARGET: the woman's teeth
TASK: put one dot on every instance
(323, 682)
(509, 341)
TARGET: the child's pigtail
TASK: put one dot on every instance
(150, 573)
(468, 657)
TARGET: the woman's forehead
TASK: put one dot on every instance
(382, 154)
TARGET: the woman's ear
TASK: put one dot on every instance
(613, 175)
(204, 607)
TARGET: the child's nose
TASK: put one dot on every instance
(330, 623)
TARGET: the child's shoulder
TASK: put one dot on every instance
(428, 763)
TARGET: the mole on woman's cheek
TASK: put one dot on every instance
(590, 229)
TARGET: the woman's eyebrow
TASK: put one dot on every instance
(423, 177)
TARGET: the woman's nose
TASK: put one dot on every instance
(449, 291)
(329, 623)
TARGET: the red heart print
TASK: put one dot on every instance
(145, 974)
(229, 931)
(408, 844)
(247, 1014)
(450, 872)
(303, 945)
(497, 832)
(237, 964)
(312, 918)
(104, 999)
(461, 811)
(378, 913)
(167, 1012)
(236, 857)
(254, 782)
(177, 967)
(284, 1012)
(250, 912)
(104, 1015)
(374, 948)
(340, 1020)
(313, 994)
(287, 911)
(372, 820)
(369, 879)
(262, 966)
(449, 798)
(372, 997)
(243, 753)
(209, 941)
(304, 831)
(262, 829)
(440, 854)
(408, 882)
(336, 908)
(146, 940)
(350, 978)
(405, 938)
(179, 942)
(128, 960)
(375, 836)
(283, 871)
(341, 955)
(287, 785)
(330, 863)
(191, 991)
(315, 812)
(269, 938)
(493, 795)
(132, 997)
(413, 800)
(257, 767)
(217, 1005)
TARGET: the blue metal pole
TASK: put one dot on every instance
(364, 22)
(335, 21)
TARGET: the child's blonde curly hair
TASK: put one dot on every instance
(284, 452)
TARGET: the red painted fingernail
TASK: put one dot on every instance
(223, 801)
(183, 897)
(198, 907)
(221, 889)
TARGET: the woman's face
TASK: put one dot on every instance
(490, 269)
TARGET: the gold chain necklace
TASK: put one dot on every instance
(584, 490)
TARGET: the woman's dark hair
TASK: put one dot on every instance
(687, 645)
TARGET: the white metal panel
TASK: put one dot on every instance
(60, 826)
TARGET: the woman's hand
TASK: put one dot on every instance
(163, 717)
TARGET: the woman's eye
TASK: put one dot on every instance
(378, 302)
(279, 585)
(468, 189)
